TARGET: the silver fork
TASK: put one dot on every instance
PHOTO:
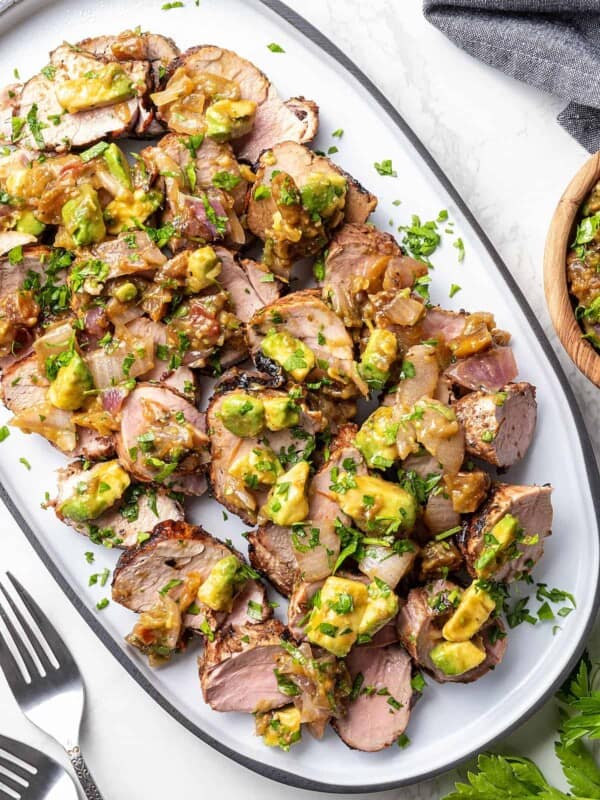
(50, 692)
(31, 775)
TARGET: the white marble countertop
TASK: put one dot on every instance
(499, 143)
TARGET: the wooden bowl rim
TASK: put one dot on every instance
(558, 299)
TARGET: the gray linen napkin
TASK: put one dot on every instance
(551, 44)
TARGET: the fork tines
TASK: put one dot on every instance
(37, 646)
(15, 773)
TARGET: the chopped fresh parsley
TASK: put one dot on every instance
(460, 246)
(386, 168)
(275, 48)
(170, 585)
(226, 180)
(94, 151)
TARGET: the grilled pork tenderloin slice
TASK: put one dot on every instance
(81, 124)
(288, 208)
(237, 668)
(505, 538)
(499, 426)
(23, 388)
(306, 318)
(271, 553)
(129, 253)
(178, 555)
(243, 280)
(360, 262)
(376, 718)
(420, 622)
(136, 512)
(161, 439)
(274, 121)
(488, 371)
(244, 467)
(213, 164)
(193, 177)
(133, 46)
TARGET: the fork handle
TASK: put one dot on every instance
(84, 776)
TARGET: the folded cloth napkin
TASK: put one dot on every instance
(551, 44)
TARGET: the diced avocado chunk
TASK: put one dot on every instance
(287, 502)
(378, 357)
(280, 413)
(68, 390)
(117, 165)
(27, 223)
(130, 209)
(324, 193)
(82, 217)
(280, 728)
(229, 119)
(243, 414)
(260, 467)
(377, 506)
(376, 439)
(293, 355)
(474, 609)
(456, 658)
(382, 606)
(203, 269)
(496, 541)
(103, 86)
(334, 623)
(125, 292)
(218, 589)
(98, 490)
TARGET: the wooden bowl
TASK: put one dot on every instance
(560, 236)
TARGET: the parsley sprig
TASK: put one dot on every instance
(499, 777)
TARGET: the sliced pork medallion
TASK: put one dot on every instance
(102, 503)
(24, 392)
(257, 437)
(298, 199)
(505, 538)
(271, 553)
(174, 550)
(180, 580)
(237, 668)
(21, 305)
(362, 261)
(134, 46)
(87, 98)
(422, 626)
(162, 440)
(229, 82)
(381, 699)
(499, 426)
(203, 187)
(208, 580)
(303, 337)
(250, 286)
(488, 371)
(129, 254)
